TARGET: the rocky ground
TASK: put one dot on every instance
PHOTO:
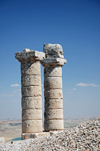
(11, 128)
(84, 137)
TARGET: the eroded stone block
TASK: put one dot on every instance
(2, 140)
(53, 103)
(31, 80)
(31, 91)
(52, 71)
(53, 114)
(30, 68)
(31, 126)
(53, 94)
(47, 62)
(53, 125)
(53, 49)
(31, 114)
(34, 135)
(31, 103)
(53, 83)
(29, 55)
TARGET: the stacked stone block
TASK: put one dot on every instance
(53, 62)
(31, 90)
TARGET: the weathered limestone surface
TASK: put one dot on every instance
(53, 83)
(53, 62)
(31, 90)
(31, 103)
(54, 125)
(53, 71)
(32, 80)
(29, 55)
(53, 103)
(30, 68)
(34, 135)
(2, 140)
(32, 114)
(52, 59)
(53, 94)
(53, 115)
(31, 126)
(53, 50)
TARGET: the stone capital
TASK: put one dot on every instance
(29, 55)
(53, 51)
(53, 62)
(53, 55)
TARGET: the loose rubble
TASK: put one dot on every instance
(84, 137)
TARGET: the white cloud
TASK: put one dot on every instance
(70, 92)
(93, 85)
(6, 94)
(17, 90)
(15, 100)
(82, 84)
(15, 85)
(85, 85)
(74, 89)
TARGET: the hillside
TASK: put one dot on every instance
(84, 137)
(11, 128)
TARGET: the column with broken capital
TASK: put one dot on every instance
(53, 62)
(31, 90)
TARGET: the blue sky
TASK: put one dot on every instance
(75, 24)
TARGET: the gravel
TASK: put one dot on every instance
(84, 137)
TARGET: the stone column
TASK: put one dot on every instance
(53, 62)
(31, 90)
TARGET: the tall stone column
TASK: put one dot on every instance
(53, 62)
(31, 90)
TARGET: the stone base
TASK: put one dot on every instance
(33, 135)
(2, 140)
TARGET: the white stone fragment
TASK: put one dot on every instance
(2, 140)
(26, 50)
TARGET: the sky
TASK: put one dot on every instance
(74, 24)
